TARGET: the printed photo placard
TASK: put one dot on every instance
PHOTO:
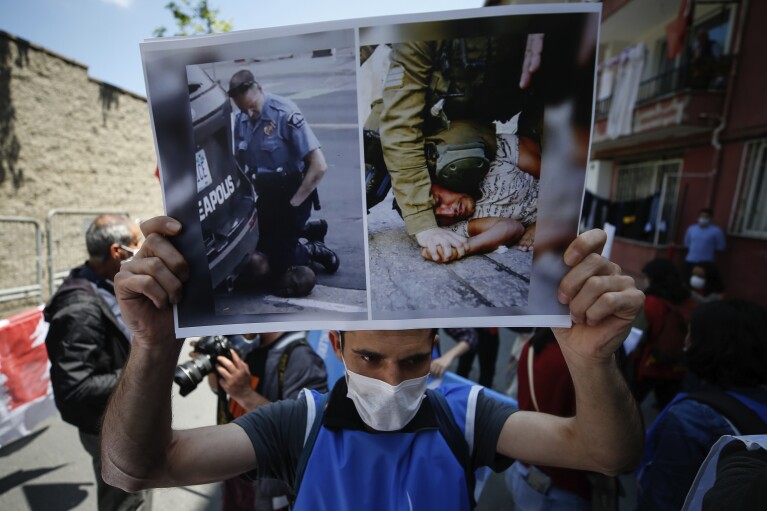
(395, 172)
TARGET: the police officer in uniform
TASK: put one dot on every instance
(440, 99)
(279, 151)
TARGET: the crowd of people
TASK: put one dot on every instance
(703, 359)
(378, 419)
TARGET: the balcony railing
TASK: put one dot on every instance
(662, 84)
(684, 77)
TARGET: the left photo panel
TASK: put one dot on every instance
(275, 156)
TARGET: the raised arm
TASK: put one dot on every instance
(606, 433)
(139, 447)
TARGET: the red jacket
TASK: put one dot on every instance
(658, 313)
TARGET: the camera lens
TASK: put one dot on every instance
(190, 373)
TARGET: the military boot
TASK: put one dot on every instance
(315, 230)
(320, 254)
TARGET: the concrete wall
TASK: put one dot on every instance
(68, 141)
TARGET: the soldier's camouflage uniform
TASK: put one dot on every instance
(478, 78)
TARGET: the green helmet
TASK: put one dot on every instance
(460, 168)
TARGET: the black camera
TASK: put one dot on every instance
(189, 374)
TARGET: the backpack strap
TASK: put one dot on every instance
(283, 365)
(315, 409)
(454, 437)
(745, 420)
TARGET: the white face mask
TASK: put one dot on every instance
(697, 282)
(384, 407)
(703, 221)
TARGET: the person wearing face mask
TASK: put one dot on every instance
(726, 352)
(706, 283)
(658, 362)
(379, 440)
(88, 343)
(703, 240)
(279, 367)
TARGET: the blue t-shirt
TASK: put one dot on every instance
(703, 242)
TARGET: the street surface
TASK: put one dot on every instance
(324, 88)
(49, 470)
(401, 280)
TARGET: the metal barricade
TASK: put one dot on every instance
(21, 271)
(65, 231)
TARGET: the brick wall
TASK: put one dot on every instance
(68, 141)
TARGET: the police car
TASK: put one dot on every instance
(226, 199)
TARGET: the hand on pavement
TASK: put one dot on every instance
(439, 243)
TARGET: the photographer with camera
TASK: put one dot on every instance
(277, 148)
(250, 371)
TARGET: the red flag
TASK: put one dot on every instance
(23, 358)
(675, 30)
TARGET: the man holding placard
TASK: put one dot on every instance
(380, 420)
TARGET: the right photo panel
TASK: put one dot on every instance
(476, 135)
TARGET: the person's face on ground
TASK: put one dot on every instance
(297, 281)
(392, 356)
(251, 102)
(451, 207)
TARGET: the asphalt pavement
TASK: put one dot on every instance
(403, 281)
(49, 470)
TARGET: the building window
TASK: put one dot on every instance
(751, 212)
(646, 194)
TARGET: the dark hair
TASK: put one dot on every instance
(240, 82)
(541, 338)
(727, 343)
(707, 211)
(713, 278)
(106, 230)
(665, 281)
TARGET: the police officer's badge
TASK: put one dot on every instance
(269, 128)
(296, 120)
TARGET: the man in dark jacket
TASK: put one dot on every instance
(88, 343)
